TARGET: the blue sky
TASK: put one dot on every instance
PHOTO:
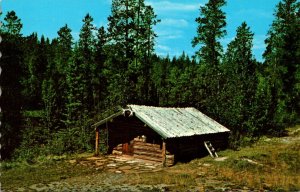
(175, 31)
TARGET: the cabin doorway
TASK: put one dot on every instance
(127, 148)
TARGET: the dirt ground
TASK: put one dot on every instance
(110, 171)
(271, 164)
(112, 174)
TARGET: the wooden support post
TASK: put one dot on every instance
(164, 153)
(97, 142)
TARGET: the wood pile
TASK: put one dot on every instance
(118, 150)
(146, 151)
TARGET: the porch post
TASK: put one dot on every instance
(164, 153)
(97, 142)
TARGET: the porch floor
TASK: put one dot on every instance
(119, 164)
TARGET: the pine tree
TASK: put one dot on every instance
(131, 37)
(63, 48)
(86, 48)
(211, 24)
(29, 79)
(75, 89)
(42, 62)
(282, 64)
(12, 24)
(11, 99)
(239, 89)
(160, 75)
(54, 87)
(99, 78)
(144, 50)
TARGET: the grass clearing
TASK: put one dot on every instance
(20, 174)
(269, 164)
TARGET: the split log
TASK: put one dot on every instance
(144, 157)
(143, 148)
(139, 143)
(159, 156)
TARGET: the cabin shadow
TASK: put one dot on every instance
(188, 148)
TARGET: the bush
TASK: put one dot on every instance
(8, 165)
(71, 140)
(237, 141)
(34, 142)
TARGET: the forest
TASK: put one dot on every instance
(53, 90)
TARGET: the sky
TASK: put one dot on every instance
(175, 31)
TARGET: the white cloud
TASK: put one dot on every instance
(169, 33)
(163, 48)
(255, 12)
(171, 6)
(174, 22)
(259, 42)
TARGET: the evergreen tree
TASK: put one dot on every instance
(131, 37)
(75, 89)
(86, 48)
(211, 24)
(54, 85)
(121, 31)
(160, 73)
(63, 48)
(99, 78)
(42, 62)
(239, 89)
(29, 79)
(282, 64)
(11, 99)
(12, 24)
(144, 51)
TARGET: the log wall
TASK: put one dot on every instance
(145, 151)
(130, 136)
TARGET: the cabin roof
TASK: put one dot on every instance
(173, 122)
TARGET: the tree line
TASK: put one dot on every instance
(53, 90)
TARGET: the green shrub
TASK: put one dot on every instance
(33, 143)
(6, 165)
(34, 114)
(70, 140)
(237, 141)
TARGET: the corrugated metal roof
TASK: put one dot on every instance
(172, 122)
(177, 122)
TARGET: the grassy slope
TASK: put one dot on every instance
(271, 163)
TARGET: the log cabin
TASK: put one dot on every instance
(159, 134)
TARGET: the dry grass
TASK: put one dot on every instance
(270, 164)
(260, 180)
(20, 174)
